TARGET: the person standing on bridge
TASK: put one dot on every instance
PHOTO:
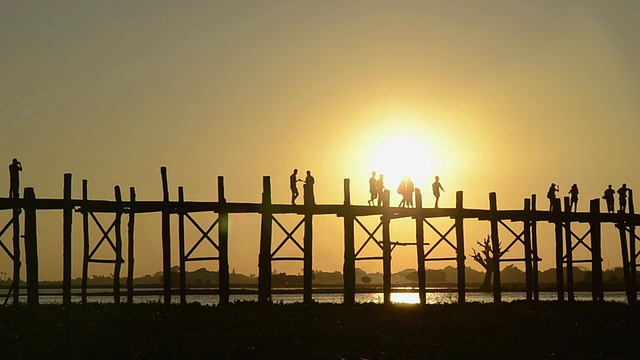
(409, 191)
(608, 197)
(309, 181)
(622, 193)
(551, 195)
(574, 198)
(293, 184)
(380, 188)
(373, 188)
(436, 187)
(14, 178)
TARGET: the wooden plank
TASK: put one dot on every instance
(631, 223)
(460, 264)
(495, 245)
(118, 251)
(223, 244)
(266, 227)
(596, 253)
(528, 261)
(31, 245)
(534, 250)
(569, 252)
(130, 245)
(309, 204)
(67, 222)
(16, 210)
(559, 251)
(349, 266)
(85, 242)
(181, 246)
(386, 248)
(166, 239)
(422, 274)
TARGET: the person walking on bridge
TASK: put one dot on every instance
(551, 195)
(293, 184)
(436, 187)
(622, 193)
(373, 188)
(574, 198)
(608, 197)
(14, 178)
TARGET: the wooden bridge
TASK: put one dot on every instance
(566, 241)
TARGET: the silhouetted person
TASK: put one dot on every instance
(436, 187)
(551, 194)
(373, 188)
(380, 188)
(608, 197)
(410, 189)
(293, 184)
(402, 190)
(14, 178)
(574, 198)
(622, 193)
(309, 181)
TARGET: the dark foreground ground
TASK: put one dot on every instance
(322, 331)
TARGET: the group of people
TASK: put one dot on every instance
(308, 181)
(608, 196)
(406, 189)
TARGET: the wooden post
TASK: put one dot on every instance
(181, 245)
(308, 245)
(16, 249)
(118, 230)
(528, 261)
(131, 240)
(386, 247)
(495, 246)
(422, 278)
(534, 250)
(85, 238)
(264, 261)
(460, 247)
(166, 238)
(349, 267)
(625, 255)
(559, 249)
(31, 245)
(632, 249)
(569, 251)
(223, 243)
(67, 221)
(596, 251)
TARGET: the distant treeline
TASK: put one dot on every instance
(511, 278)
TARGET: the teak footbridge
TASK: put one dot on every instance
(566, 241)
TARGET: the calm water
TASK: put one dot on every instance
(396, 297)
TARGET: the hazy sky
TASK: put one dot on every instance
(504, 96)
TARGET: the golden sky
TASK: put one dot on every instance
(504, 96)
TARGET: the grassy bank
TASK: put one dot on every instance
(323, 331)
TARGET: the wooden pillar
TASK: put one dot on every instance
(223, 244)
(31, 245)
(632, 249)
(264, 261)
(85, 240)
(349, 267)
(166, 238)
(596, 251)
(534, 250)
(16, 249)
(130, 243)
(460, 247)
(308, 245)
(495, 246)
(118, 257)
(181, 245)
(568, 251)
(625, 255)
(528, 261)
(422, 276)
(67, 221)
(386, 247)
(557, 212)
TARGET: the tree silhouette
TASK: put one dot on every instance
(485, 259)
(365, 279)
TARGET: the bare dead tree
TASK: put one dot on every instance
(485, 259)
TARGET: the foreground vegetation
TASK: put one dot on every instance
(322, 331)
